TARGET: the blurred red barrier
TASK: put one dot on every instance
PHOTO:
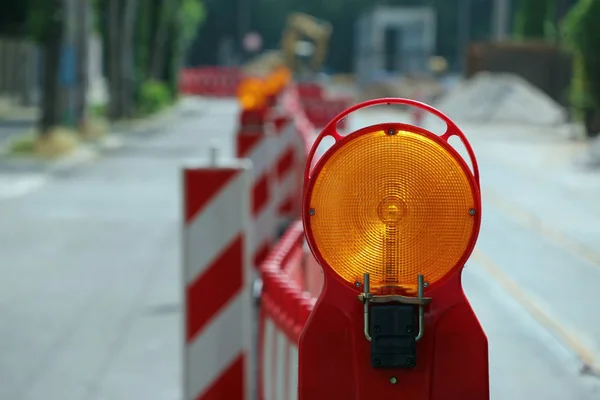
(320, 112)
(210, 81)
(309, 90)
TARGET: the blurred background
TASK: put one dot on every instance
(94, 129)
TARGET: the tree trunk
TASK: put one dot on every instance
(82, 38)
(52, 45)
(127, 56)
(167, 10)
(114, 71)
(154, 11)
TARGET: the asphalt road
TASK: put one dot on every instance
(89, 259)
(534, 276)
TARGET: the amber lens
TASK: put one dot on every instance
(393, 206)
(251, 94)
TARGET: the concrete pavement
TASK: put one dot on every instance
(89, 295)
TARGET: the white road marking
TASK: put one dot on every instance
(18, 185)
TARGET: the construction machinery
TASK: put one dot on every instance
(305, 43)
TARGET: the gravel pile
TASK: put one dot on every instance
(500, 98)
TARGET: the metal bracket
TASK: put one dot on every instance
(368, 298)
(257, 286)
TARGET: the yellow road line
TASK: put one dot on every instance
(569, 338)
(535, 223)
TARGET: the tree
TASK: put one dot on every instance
(167, 14)
(582, 35)
(127, 58)
(532, 18)
(146, 50)
(46, 26)
(82, 38)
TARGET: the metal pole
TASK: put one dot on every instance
(501, 15)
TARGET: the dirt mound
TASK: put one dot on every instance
(500, 98)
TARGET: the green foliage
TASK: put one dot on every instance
(23, 145)
(191, 15)
(154, 96)
(99, 7)
(533, 19)
(582, 35)
(39, 17)
(98, 110)
(184, 29)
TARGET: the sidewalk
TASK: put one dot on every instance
(21, 175)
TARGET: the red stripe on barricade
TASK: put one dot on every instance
(287, 206)
(280, 123)
(261, 254)
(246, 142)
(201, 186)
(227, 385)
(260, 194)
(213, 289)
(285, 163)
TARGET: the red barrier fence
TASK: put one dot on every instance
(285, 308)
(309, 91)
(232, 214)
(210, 81)
(320, 112)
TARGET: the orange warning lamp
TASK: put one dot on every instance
(392, 212)
(251, 94)
(273, 84)
(393, 203)
(276, 82)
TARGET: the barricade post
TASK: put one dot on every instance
(392, 213)
(218, 356)
(257, 144)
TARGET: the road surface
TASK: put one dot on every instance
(89, 295)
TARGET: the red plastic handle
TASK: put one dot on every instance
(451, 129)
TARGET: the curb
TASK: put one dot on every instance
(87, 152)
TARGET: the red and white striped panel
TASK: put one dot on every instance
(279, 364)
(218, 356)
(291, 155)
(259, 146)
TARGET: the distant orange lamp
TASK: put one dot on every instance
(252, 94)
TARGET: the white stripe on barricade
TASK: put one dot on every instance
(284, 310)
(281, 368)
(293, 373)
(258, 147)
(267, 359)
(218, 356)
(279, 364)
